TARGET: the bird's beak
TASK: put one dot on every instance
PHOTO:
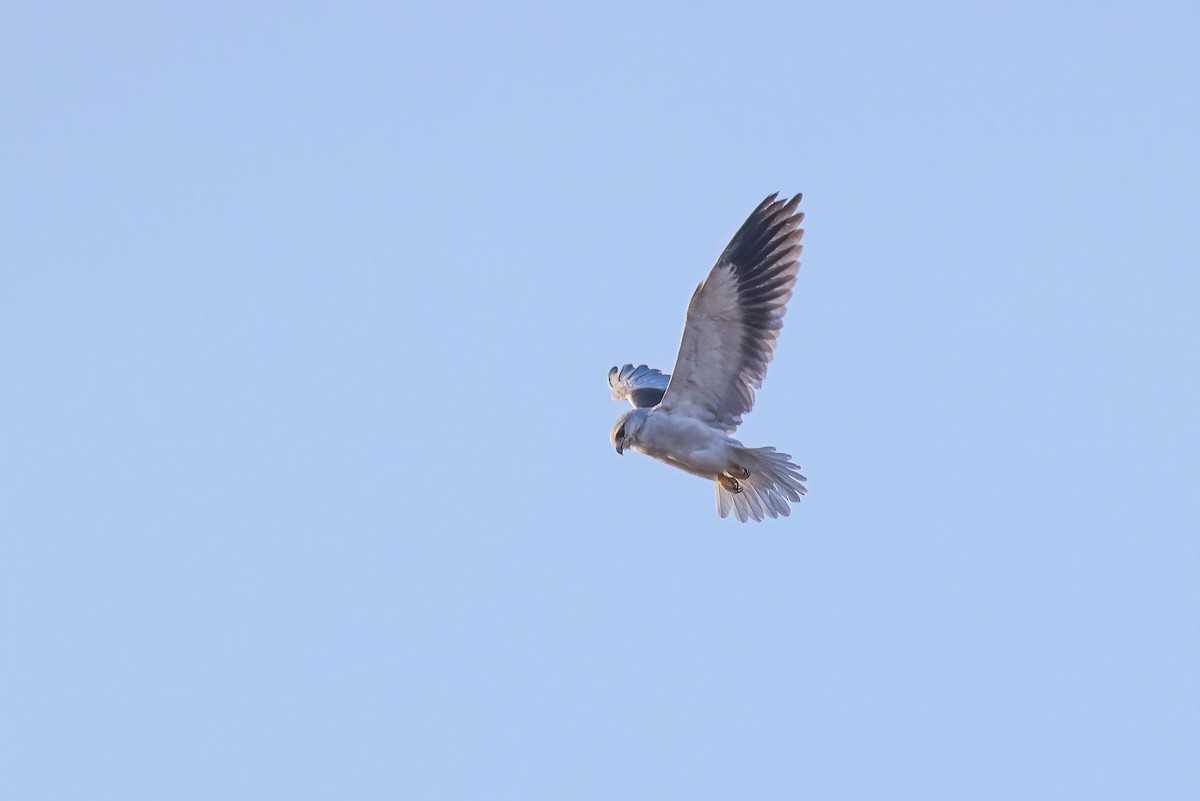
(620, 449)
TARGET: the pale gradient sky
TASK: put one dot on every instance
(305, 482)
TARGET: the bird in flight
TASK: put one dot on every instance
(686, 419)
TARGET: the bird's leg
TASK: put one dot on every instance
(729, 479)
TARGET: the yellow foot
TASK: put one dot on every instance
(730, 483)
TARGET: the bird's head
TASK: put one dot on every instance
(625, 430)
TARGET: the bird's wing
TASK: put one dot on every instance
(641, 385)
(734, 318)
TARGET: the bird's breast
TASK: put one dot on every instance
(686, 443)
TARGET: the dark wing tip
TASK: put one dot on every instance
(767, 237)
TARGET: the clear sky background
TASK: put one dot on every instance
(306, 484)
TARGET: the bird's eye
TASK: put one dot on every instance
(621, 433)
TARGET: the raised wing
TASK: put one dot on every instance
(735, 316)
(641, 385)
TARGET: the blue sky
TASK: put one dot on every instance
(306, 483)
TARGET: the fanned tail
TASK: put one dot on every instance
(773, 481)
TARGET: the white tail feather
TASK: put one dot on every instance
(773, 481)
